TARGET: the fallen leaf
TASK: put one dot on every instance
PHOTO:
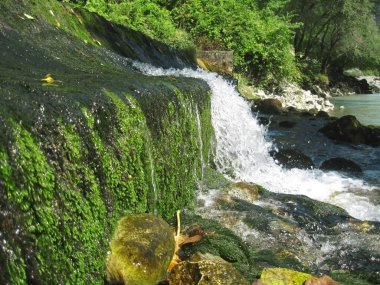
(180, 240)
(28, 16)
(50, 81)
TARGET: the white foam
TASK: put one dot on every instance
(242, 149)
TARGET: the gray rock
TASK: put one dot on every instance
(348, 129)
(341, 164)
(292, 158)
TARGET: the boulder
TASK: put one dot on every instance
(341, 164)
(292, 158)
(284, 276)
(141, 250)
(323, 114)
(244, 191)
(349, 130)
(206, 269)
(269, 106)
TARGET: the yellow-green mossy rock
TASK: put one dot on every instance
(206, 269)
(282, 276)
(141, 250)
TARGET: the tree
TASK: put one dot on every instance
(340, 32)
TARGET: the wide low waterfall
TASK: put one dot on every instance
(242, 152)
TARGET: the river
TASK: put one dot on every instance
(366, 108)
(242, 152)
(289, 224)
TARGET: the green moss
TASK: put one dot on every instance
(76, 157)
(283, 276)
(141, 250)
(355, 278)
(219, 241)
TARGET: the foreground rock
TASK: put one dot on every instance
(292, 158)
(141, 250)
(341, 164)
(349, 130)
(272, 276)
(206, 269)
(294, 232)
(284, 276)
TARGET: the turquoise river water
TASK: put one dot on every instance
(366, 108)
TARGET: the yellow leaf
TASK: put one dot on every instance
(50, 81)
(180, 240)
(28, 16)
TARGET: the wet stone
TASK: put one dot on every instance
(141, 250)
(206, 269)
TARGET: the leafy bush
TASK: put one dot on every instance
(322, 80)
(260, 39)
(145, 16)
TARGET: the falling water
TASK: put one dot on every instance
(199, 127)
(242, 151)
(152, 175)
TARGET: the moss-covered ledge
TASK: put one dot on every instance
(83, 148)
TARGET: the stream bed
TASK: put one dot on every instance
(311, 220)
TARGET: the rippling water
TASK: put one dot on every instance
(366, 108)
(242, 152)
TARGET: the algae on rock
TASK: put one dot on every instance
(77, 156)
(141, 250)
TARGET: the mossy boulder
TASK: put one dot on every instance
(206, 269)
(141, 250)
(243, 190)
(218, 241)
(283, 276)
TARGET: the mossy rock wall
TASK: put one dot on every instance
(99, 141)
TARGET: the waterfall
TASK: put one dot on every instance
(242, 151)
(199, 127)
(152, 175)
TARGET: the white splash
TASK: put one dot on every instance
(242, 151)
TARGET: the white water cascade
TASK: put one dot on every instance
(243, 151)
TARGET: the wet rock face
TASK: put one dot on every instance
(141, 250)
(206, 269)
(341, 164)
(269, 106)
(292, 158)
(349, 130)
(78, 148)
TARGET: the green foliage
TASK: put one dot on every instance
(260, 39)
(340, 34)
(322, 80)
(144, 16)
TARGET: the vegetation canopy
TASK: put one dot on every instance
(272, 40)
